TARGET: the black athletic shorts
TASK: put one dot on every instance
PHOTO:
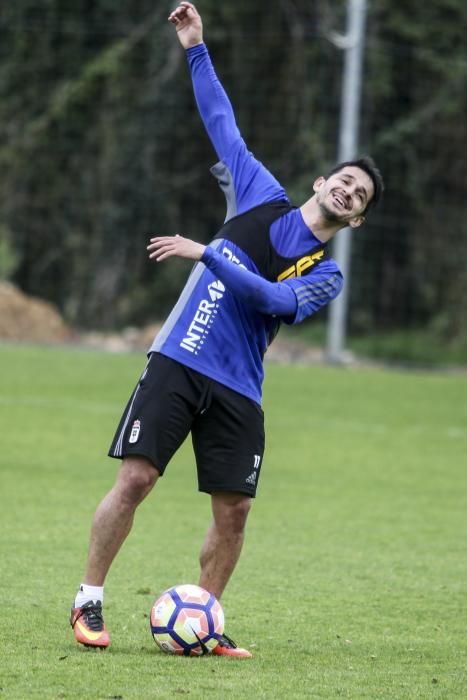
(170, 401)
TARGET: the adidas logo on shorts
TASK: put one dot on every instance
(251, 479)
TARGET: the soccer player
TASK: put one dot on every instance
(268, 264)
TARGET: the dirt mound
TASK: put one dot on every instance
(29, 319)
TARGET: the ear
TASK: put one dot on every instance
(356, 221)
(318, 183)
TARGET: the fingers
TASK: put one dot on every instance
(181, 12)
(162, 247)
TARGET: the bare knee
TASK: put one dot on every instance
(136, 478)
(230, 511)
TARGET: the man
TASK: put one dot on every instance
(268, 264)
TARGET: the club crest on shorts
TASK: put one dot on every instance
(135, 430)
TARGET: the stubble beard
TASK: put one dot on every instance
(329, 215)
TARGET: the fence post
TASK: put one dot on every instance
(352, 44)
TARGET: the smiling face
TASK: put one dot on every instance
(344, 196)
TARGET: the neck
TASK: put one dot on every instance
(321, 228)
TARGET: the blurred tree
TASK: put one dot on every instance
(416, 91)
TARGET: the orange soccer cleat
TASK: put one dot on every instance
(88, 625)
(227, 647)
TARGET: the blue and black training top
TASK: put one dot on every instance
(263, 267)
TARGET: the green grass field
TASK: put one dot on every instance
(353, 579)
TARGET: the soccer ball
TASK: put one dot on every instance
(187, 620)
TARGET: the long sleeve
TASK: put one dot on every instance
(244, 179)
(213, 104)
(293, 300)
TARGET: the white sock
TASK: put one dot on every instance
(86, 593)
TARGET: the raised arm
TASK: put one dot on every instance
(213, 104)
(252, 183)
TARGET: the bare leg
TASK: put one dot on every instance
(224, 540)
(114, 516)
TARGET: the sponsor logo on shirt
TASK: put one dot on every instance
(203, 318)
(206, 312)
(301, 266)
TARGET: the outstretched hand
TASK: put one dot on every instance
(188, 24)
(163, 247)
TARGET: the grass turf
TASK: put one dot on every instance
(353, 578)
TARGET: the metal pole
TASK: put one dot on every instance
(352, 44)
